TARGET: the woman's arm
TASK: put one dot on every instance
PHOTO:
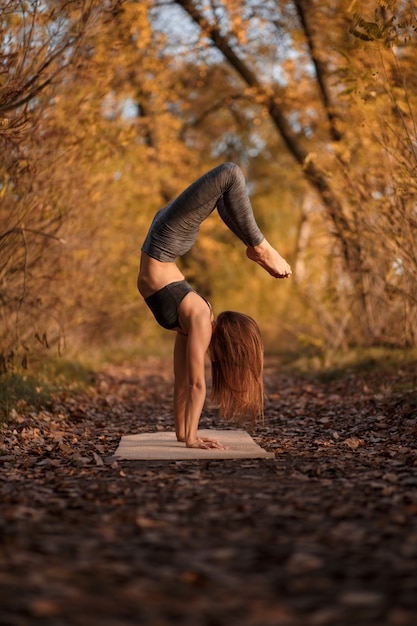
(190, 384)
(198, 341)
(189, 370)
(180, 385)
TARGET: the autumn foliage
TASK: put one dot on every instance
(108, 109)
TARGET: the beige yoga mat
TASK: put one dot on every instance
(163, 446)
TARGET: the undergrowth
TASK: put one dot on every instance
(25, 391)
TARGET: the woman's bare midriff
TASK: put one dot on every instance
(154, 275)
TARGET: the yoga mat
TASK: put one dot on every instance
(163, 446)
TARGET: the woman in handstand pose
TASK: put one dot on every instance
(233, 340)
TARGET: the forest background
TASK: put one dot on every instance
(109, 108)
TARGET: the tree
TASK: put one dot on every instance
(39, 42)
(91, 150)
(305, 102)
(108, 112)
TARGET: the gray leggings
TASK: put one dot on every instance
(175, 227)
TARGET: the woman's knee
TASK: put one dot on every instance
(232, 172)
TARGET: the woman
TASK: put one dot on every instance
(234, 339)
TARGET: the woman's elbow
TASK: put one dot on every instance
(197, 387)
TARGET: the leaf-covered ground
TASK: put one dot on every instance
(324, 534)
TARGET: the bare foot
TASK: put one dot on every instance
(267, 257)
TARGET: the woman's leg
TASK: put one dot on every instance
(236, 211)
(224, 187)
(234, 206)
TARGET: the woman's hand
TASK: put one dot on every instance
(205, 443)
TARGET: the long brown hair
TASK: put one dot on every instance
(237, 357)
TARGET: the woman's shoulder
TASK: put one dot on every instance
(195, 312)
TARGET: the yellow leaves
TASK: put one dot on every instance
(343, 151)
(231, 15)
(237, 23)
(80, 254)
(4, 187)
(239, 30)
(134, 20)
(310, 162)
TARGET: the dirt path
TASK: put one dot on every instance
(325, 534)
